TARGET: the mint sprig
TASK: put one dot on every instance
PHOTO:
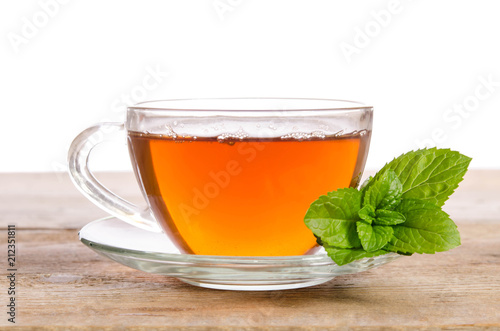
(397, 210)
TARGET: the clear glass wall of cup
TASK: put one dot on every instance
(231, 177)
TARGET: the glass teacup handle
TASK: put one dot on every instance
(90, 187)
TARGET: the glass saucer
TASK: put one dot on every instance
(154, 253)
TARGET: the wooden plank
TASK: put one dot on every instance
(51, 201)
(63, 284)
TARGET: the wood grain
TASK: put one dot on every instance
(63, 285)
(51, 201)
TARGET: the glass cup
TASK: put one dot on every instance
(231, 177)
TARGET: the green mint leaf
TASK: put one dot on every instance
(318, 240)
(374, 237)
(388, 217)
(384, 191)
(427, 229)
(343, 256)
(367, 213)
(429, 174)
(397, 210)
(333, 218)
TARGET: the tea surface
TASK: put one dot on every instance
(242, 197)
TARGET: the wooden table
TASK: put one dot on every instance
(61, 284)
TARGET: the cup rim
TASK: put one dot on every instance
(172, 104)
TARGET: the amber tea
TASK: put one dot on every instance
(242, 197)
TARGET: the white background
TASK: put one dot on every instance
(65, 66)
